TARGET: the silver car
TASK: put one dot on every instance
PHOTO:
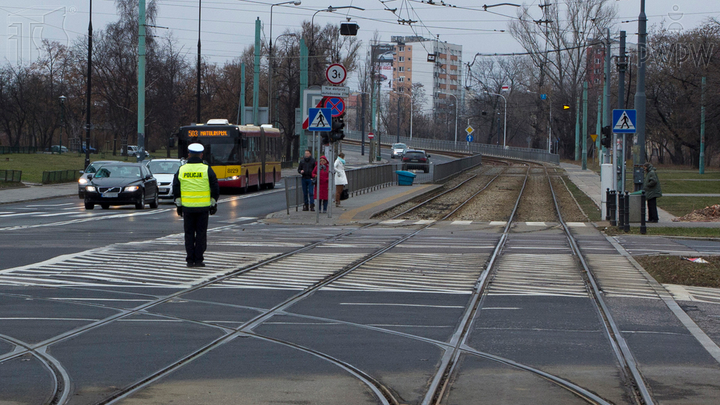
(164, 170)
(397, 150)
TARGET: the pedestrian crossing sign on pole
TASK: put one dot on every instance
(319, 119)
(624, 121)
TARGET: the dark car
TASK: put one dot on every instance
(91, 169)
(416, 160)
(121, 183)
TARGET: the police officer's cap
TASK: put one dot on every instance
(196, 148)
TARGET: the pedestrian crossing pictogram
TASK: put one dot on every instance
(624, 121)
(320, 119)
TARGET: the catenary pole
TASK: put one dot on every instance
(702, 126)
(141, 85)
(640, 96)
(88, 95)
(585, 125)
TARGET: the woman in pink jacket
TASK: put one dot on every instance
(323, 167)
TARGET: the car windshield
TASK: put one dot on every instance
(164, 167)
(399, 146)
(223, 153)
(118, 172)
(92, 168)
(415, 155)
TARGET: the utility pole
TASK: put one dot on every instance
(622, 67)
(303, 85)
(241, 99)
(197, 116)
(607, 116)
(362, 124)
(141, 86)
(256, 75)
(546, 21)
(88, 94)
(585, 125)
(702, 127)
(640, 97)
(577, 128)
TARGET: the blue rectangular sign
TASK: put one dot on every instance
(624, 121)
(319, 119)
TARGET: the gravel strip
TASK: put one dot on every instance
(536, 204)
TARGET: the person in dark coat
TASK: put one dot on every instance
(196, 191)
(305, 168)
(322, 173)
(651, 186)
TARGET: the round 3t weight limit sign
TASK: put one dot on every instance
(336, 73)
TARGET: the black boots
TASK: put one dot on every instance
(312, 207)
(305, 207)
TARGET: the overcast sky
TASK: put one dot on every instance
(228, 25)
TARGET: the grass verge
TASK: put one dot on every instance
(680, 206)
(33, 165)
(586, 203)
(675, 270)
(667, 231)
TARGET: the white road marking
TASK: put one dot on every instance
(424, 222)
(535, 224)
(392, 221)
(50, 205)
(240, 219)
(462, 222)
(499, 308)
(20, 214)
(401, 305)
(575, 224)
(498, 223)
(46, 319)
(55, 214)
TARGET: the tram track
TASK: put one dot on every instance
(454, 349)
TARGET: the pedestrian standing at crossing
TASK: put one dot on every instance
(305, 168)
(340, 177)
(196, 191)
(651, 186)
(322, 174)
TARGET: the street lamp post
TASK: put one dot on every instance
(88, 96)
(330, 9)
(270, 56)
(456, 113)
(62, 120)
(505, 124)
(362, 120)
(411, 114)
(197, 114)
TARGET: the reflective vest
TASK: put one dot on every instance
(194, 185)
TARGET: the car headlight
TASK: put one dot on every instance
(82, 181)
(131, 189)
(90, 188)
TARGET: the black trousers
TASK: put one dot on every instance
(196, 225)
(652, 209)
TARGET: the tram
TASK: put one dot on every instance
(242, 156)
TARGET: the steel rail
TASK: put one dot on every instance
(449, 362)
(620, 347)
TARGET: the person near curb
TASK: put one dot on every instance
(322, 174)
(651, 186)
(340, 177)
(196, 191)
(305, 168)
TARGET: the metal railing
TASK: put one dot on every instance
(60, 176)
(540, 155)
(361, 180)
(443, 171)
(11, 176)
(4, 150)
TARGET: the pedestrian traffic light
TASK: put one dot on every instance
(606, 137)
(337, 133)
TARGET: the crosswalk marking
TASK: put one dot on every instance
(537, 275)
(617, 277)
(416, 272)
(575, 224)
(392, 221)
(535, 224)
(498, 223)
(692, 293)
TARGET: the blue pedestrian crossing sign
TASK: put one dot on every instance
(624, 121)
(319, 119)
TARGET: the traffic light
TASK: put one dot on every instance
(349, 29)
(337, 133)
(606, 136)
(566, 107)
(325, 138)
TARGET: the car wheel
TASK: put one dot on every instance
(156, 202)
(105, 206)
(141, 205)
(89, 206)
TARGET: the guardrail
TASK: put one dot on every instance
(540, 155)
(4, 150)
(11, 176)
(444, 170)
(60, 176)
(360, 181)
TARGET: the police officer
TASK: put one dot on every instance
(196, 191)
